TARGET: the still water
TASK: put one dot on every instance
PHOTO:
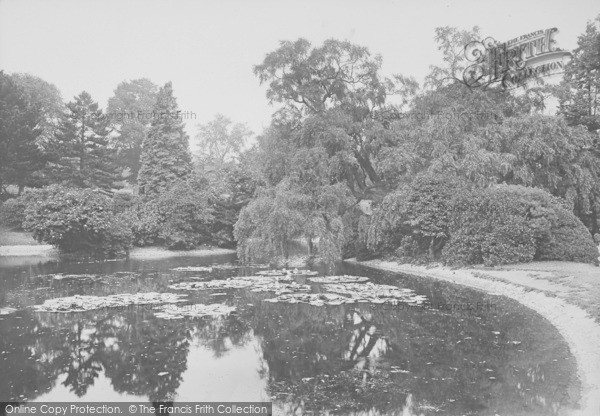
(461, 353)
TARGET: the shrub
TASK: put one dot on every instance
(77, 221)
(356, 226)
(421, 211)
(569, 240)
(512, 224)
(12, 213)
(146, 222)
(187, 215)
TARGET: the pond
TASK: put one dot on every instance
(384, 344)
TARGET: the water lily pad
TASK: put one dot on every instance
(339, 279)
(193, 311)
(316, 299)
(193, 269)
(81, 303)
(277, 284)
(7, 311)
(288, 272)
(376, 293)
(60, 277)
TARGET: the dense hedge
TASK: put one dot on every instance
(438, 217)
(180, 217)
(414, 220)
(77, 221)
(12, 213)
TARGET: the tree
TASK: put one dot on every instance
(303, 205)
(221, 140)
(49, 101)
(334, 94)
(128, 113)
(165, 155)
(187, 214)
(77, 221)
(20, 156)
(83, 149)
(544, 152)
(579, 95)
(451, 42)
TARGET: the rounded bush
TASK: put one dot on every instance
(12, 213)
(514, 224)
(77, 221)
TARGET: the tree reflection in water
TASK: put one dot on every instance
(360, 360)
(366, 345)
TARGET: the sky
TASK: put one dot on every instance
(207, 48)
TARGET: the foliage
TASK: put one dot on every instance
(569, 240)
(231, 187)
(49, 102)
(418, 213)
(489, 229)
(303, 205)
(77, 221)
(83, 153)
(545, 152)
(20, 156)
(332, 96)
(129, 111)
(221, 140)
(510, 224)
(187, 214)
(165, 155)
(442, 217)
(12, 213)
(181, 217)
(579, 94)
(356, 224)
(146, 221)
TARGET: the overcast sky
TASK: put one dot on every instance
(207, 48)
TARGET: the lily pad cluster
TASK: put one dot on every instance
(193, 269)
(315, 299)
(288, 272)
(172, 311)
(7, 311)
(277, 284)
(339, 279)
(214, 267)
(60, 277)
(82, 303)
(376, 293)
(339, 293)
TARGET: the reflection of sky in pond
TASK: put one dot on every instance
(365, 359)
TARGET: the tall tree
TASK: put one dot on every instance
(86, 157)
(337, 93)
(49, 101)
(165, 151)
(221, 140)
(580, 93)
(128, 114)
(20, 155)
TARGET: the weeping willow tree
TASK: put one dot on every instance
(303, 205)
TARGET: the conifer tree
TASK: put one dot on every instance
(580, 97)
(85, 155)
(20, 156)
(165, 156)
